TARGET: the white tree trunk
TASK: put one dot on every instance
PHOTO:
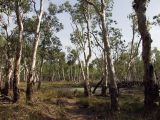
(35, 47)
(110, 66)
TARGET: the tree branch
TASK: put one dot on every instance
(96, 9)
(97, 41)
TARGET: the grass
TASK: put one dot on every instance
(52, 102)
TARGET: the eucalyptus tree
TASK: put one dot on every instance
(62, 64)
(54, 58)
(100, 8)
(140, 9)
(8, 51)
(44, 27)
(118, 49)
(21, 7)
(133, 49)
(39, 15)
(82, 24)
(49, 27)
(17, 9)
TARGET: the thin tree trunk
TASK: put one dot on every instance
(87, 87)
(140, 9)
(98, 84)
(82, 70)
(59, 76)
(110, 66)
(24, 74)
(63, 73)
(16, 76)
(131, 59)
(29, 90)
(71, 75)
(104, 82)
(9, 73)
(26, 71)
(53, 76)
(75, 74)
(40, 75)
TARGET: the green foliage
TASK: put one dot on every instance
(2, 41)
(121, 66)
(96, 68)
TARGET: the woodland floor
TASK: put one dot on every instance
(52, 103)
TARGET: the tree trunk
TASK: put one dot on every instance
(16, 76)
(58, 72)
(140, 9)
(98, 84)
(70, 72)
(40, 75)
(131, 57)
(87, 87)
(9, 73)
(53, 76)
(63, 73)
(104, 82)
(110, 66)
(86, 82)
(75, 73)
(26, 71)
(30, 80)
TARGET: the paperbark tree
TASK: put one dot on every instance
(16, 76)
(86, 14)
(29, 90)
(133, 50)
(140, 9)
(111, 71)
(9, 53)
(82, 20)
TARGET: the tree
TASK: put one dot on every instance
(140, 9)
(82, 19)
(49, 41)
(17, 8)
(16, 79)
(9, 53)
(111, 72)
(29, 89)
(133, 49)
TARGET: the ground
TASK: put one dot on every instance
(55, 101)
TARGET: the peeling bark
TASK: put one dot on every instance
(140, 9)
